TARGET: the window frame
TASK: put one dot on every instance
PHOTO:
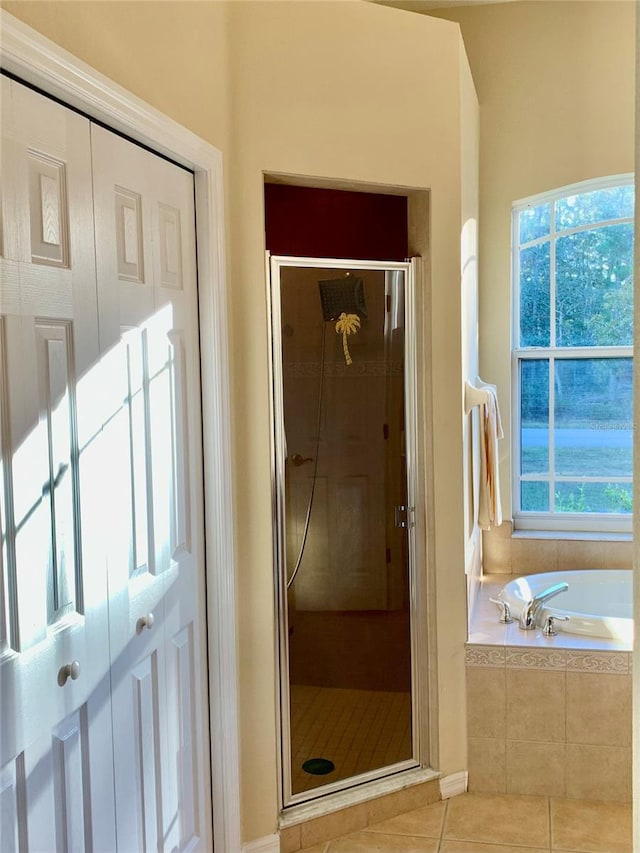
(616, 523)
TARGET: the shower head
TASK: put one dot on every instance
(342, 296)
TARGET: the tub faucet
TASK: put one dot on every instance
(530, 611)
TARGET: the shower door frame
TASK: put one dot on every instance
(416, 516)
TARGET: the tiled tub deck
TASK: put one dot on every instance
(546, 716)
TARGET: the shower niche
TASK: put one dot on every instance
(343, 355)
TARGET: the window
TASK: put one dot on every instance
(572, 357)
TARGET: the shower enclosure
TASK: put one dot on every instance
(344, 466)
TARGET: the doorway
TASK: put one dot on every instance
(27, 55)
(343, 384)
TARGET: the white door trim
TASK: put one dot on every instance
(36, 60)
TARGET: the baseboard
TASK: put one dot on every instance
(454, 784)
(268, 844)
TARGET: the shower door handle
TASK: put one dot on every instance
(399, 512)
(298, 460)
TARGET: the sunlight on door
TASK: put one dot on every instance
(103, 743)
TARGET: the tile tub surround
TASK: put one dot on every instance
(546, 716)
(493, 823)
(504, 552)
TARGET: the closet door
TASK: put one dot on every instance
(56, 755)
(147, 296)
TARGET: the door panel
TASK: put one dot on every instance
(56, 732)
(182, 723)
(12, 805)
(148, 315)
(146, 751)
(102, 623)
(71, 777)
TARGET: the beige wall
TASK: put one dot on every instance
(144, 46)
(470, 141)
(555, 81)
(349, 94)
(344, 91)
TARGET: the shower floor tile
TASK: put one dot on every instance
(358, 730)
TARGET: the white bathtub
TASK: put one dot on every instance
(599, 603)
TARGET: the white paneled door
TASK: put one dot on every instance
(102, 671)
(146, 273)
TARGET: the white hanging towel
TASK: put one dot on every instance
(489, 509)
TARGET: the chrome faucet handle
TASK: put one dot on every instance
(505, 611)
(549, 622)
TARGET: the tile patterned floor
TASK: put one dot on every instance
(359, 730)
(495, 823)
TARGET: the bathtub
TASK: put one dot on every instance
(599, 603)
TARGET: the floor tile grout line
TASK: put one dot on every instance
(443, 824)
(566, 739)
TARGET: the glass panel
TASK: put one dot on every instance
(595, 206)
(534, 296)
(534, 496)
(594, 287)
(349, 640)
(593, 497)
(534, 222)
(593, 417)
(534, 416)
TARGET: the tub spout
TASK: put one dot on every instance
(529, 615)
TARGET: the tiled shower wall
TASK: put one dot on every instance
(504, 553)
(554, 722)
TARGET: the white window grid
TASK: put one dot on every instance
(552, 520)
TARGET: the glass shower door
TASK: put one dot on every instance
(344, 527)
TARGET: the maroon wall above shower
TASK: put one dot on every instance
(324, 223)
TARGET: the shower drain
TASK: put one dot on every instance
(318, 766)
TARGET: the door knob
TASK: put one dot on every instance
(298, 460)
(69, 670)
(144, 622)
